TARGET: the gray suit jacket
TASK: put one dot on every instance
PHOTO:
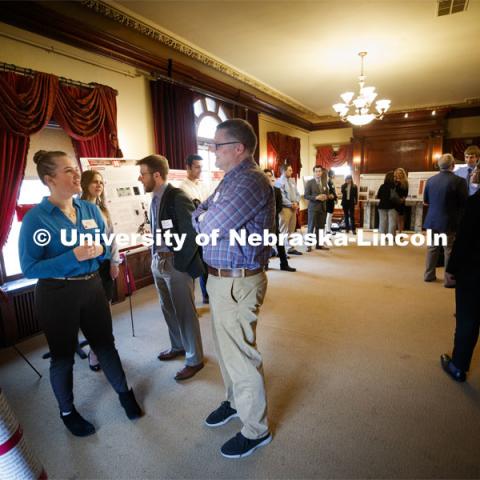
(312, 189)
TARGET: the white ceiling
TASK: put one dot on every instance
(308, 49)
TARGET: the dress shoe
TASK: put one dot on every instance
(94, 367)
(321, 247)
(287, 268)
(130, 405)
(294, 252)
(309, 249)
(170, 355)
(188, 371)
(448, 366)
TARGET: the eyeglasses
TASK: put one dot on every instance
(214, 146)
(142, 174)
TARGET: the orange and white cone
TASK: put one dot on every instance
(16, 460)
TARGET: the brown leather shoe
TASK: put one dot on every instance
(188, 371)
(170, 355)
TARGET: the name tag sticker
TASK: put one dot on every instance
(167, 224)
(215, 198)
(89, 223)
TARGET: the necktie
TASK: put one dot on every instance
(153, 213)
(469, 176)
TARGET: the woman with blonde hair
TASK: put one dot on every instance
(401, 187)
(93, 191)
(69, 294)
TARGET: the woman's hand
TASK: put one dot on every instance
(87, 252)
(114, 271)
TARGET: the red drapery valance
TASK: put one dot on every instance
(27, 103)
(328, 158)
(283, 149)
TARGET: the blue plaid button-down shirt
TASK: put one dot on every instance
(243, 200)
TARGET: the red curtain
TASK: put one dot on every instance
(174, 122)
(13, 155)
(283, 149)
(328, 158)
(27, 103)
(89, 116)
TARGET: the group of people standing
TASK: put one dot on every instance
(320, 191)
(70, 296)
(75, 283)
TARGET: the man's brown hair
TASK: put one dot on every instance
(155, 163)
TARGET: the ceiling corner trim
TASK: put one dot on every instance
(117, 15)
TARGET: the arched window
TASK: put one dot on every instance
(208, 114)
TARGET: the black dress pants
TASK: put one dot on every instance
(467, 317)
(63, 307)
(349, 214)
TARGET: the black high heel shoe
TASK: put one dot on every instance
(93, 368)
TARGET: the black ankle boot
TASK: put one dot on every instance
(130, 405)
(77, 425)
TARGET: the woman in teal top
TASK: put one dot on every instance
(69, 294)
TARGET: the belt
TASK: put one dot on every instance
(79, 277)
(234, 272)
(164, 254)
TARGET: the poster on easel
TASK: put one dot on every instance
(416, 184)
(125, 197)
(369, 185)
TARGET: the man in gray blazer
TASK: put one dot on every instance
(445, 195)
(316, 192)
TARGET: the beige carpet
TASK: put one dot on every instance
(351, 347)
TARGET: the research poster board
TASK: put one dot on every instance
(126, 200)
(417, 182)
(369, 185)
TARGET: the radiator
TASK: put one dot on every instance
(17, 317)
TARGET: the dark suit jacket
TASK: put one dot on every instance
(353, 195)
(465, 254)
(446, 195)
(312, 189)
(177, 207)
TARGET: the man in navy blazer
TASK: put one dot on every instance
(445, 195)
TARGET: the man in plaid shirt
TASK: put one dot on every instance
(237, 282)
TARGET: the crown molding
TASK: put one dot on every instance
(180, 45)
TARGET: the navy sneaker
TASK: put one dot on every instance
(77, 425)
(221, 415)
(240, 446)
(449, 367)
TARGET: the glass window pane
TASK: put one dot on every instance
(31, 191)
(222, 115)
(211, 105)
(343, 170)
(198, 108)
(207, 126)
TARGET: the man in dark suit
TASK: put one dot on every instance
(174, 270)
(445, 195)
(464, 268)
(316, 192)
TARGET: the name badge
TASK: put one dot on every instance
(167, 224)
(89, 223)
(215, 198)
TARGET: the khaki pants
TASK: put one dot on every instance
(432, 258)
(235, 303)
(288, 222)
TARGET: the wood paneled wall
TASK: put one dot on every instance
(411, 143)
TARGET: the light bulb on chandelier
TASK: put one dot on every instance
(357, 111)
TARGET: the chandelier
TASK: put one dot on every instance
(357, 111)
